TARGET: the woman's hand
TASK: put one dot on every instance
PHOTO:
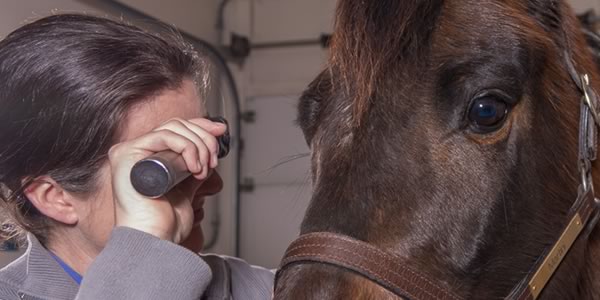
(169, 217)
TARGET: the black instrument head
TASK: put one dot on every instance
(223, 140)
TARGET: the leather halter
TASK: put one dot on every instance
(389, 271)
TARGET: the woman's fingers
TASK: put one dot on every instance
(166, 140)
(208, 138)
(198, 147)
(201, 132)
(204, 145)
(214, 128)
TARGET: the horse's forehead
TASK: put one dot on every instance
(464, 22)
(401, 41)
(405, 44)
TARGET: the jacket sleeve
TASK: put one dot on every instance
(250, 282)
(137, 265)
(235, 279)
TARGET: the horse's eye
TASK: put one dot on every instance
(487, 113)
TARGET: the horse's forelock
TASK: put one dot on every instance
(372, 35)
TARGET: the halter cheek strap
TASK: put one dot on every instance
(584, 214)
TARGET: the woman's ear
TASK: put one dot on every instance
(52, 200)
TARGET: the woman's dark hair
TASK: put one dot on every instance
(66, 84)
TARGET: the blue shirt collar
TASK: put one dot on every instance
(68, 269)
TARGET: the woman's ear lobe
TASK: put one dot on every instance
(50, 199)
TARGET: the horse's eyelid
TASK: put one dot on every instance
(495, 93)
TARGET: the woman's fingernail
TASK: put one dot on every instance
(199, 166)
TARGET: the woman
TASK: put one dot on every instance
(83, 99)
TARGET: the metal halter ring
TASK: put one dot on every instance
(584, 171)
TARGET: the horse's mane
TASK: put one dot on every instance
(371, 34)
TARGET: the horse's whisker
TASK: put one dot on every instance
(285, 160)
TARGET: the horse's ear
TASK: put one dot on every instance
(548, 13)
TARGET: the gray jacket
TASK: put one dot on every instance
(135, 265)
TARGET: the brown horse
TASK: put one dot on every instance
(446, 134)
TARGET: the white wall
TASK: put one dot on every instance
(14, 13)
(271, 81)
(197, 17)
(583, 5)
(8, 257)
